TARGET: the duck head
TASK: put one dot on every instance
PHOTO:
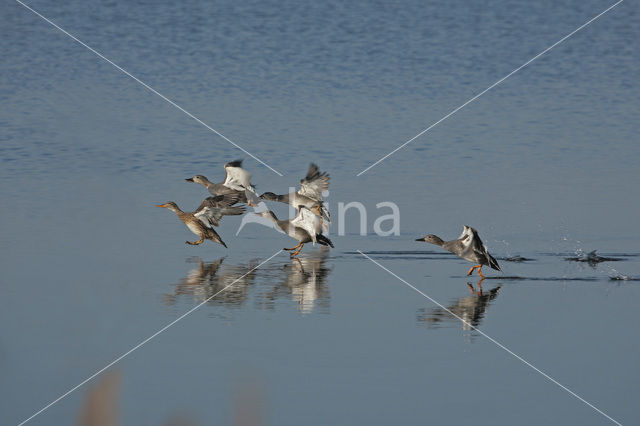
(202, 180)
(431, 239)
(170, 205)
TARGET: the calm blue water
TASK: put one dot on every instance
(544, 166)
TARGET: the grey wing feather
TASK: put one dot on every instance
(218, 201)
(315, 183)
(481, 250)
(210, 216)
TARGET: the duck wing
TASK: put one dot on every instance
(308, 221)
(236, 177)
(314, 184)
(481, 250)
(210, 216)
(219, 201)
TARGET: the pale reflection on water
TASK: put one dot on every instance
(468, 311)
(302, 280)
(229, 284)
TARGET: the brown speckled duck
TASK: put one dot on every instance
(206, 216)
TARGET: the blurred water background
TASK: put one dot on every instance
(545, 166)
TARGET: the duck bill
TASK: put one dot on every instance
(189, 180)
(161, 205)
(419, 239)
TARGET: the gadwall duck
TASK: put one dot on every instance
(309, 194)
(236, 181)
(468, 246)
(206, 216)
(305, 227)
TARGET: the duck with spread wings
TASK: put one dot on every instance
(309, 194)
(236, 181)
(469, 247)
(202, 221)
(305, 227)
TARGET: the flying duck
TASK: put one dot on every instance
(309, 194)
(236, 181)
(468, 246)
(305, 227)
(206, 216)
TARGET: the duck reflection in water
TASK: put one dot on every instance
(471, 309)
(304, 283)
(210, 278)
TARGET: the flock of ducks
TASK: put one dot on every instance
(307, 226)
(311, 219)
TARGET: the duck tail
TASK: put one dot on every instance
(324, 240)
(493, 263)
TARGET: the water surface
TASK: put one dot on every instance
(544, 166)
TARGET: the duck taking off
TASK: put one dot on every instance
(305, 227)
(208, 215)
(468, 246)
(236, 181)
(309, 194)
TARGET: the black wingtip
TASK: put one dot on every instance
(236, 163)
(324, 240)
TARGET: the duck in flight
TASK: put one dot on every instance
(236, 181)
(309, 194)
(202, 221)
(468, 246)
(305, 227)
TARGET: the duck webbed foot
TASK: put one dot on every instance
(295, 253)
(292, 248)
(478, 267)
(196, 242)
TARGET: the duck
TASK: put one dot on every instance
(469, 247)
(309, 194)
(305, 227)
(208, 214)
(236, 181)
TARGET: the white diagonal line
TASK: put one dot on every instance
(100, 55)
(143, 342)
(491, 87)
(518, 357)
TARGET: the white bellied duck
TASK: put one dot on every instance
(309, 194)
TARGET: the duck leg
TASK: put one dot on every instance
(480, 273)
(196, 242)
(297, 251)
(292, 248)
(479, 267)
